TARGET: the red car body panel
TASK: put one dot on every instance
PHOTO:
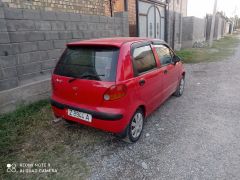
(87, 95)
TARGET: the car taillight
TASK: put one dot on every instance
(115, 92)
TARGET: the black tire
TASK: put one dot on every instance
(180, 88)
(130, 137)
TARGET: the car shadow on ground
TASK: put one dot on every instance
(153, 131)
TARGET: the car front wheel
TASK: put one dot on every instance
(180, 87)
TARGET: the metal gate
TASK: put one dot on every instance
(151, 20)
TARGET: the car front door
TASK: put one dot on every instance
(170, 81)
(148, 81)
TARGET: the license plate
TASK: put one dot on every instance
(80, 115)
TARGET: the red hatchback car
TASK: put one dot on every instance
(113, 84)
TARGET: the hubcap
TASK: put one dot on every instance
(137, 125)
(181, 87)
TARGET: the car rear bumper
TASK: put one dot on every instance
(95, 114)
(107, 121)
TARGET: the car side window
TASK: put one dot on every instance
(164, 53)
(143, 59)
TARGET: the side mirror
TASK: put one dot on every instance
(176, 59)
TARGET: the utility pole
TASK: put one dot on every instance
(235, 18)
(213, 24)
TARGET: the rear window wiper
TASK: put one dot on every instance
(85, 76)
(92, 75)
(73, 78)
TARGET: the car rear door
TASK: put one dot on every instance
(169, 69)
(83, 74)
(148, 80)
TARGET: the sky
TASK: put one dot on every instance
(199, 8)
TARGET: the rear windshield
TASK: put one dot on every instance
(95, 63)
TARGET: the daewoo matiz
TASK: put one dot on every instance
(114, 84)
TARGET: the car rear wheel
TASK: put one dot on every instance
(135, 127)
(180, 88)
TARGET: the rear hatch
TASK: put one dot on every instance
(84, 73)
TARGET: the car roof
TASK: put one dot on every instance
(115, 41)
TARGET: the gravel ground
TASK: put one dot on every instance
(196, 136)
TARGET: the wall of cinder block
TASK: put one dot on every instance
(31, 41)
(193, 31)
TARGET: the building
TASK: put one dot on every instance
(155, 18)
(223, 26)
(196, 31)
(33, 34)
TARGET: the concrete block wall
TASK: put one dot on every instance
(13, 98)
(220, 26)
(193, 31)
(187, 32)
(199, 29)
(31, 41)
(227, 28)
(208, 26)
(175, 13)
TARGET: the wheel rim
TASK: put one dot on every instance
(181, 87)
(137, 125)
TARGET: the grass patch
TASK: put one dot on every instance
(15, 125)
(28, 135)
(220, 50)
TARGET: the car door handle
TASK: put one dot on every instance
(165, 71)
(141, 82)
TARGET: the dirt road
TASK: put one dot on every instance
(196, 136)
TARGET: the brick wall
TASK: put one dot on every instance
(118, 6)
(94, 7)
(31, 41)
(132, 17)
(107, 8)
